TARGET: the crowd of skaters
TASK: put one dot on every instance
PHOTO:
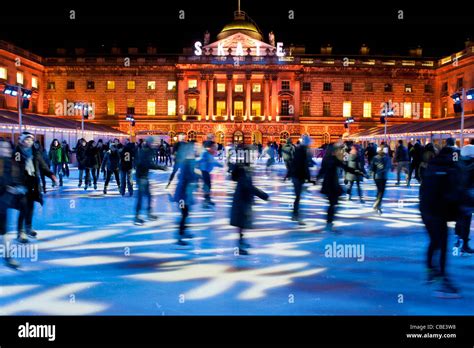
(444, 174)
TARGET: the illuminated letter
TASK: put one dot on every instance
(257, 48)
(280, 52)
(198, 50)
(240, 50)
(220, 49)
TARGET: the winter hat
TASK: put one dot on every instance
(26, 135)
(467, 151)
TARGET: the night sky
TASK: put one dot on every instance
(440, 30)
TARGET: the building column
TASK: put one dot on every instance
(211, 97)
(296, 98)
(274, 97)
(181, 99)
(248, 96)
(203, 97)
(266, 96)
(229, 90)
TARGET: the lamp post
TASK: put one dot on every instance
(386, 112)
(131, 119)
(20, 104)
(461, 136)
(347, 124)
(460, 99)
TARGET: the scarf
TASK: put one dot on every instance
(29, 166)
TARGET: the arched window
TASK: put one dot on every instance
(192, 136)
(238, 137)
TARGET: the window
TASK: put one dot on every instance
(327, 86)
(150, 107)
(151, 85)
(408, 89)
(130, 84)
(426, 110)
(221, 87)
(220, 108)
(192, 106)
(90, 85)
(444, 89)
(171, 85)
(171, 107)
(51, 110)
(256, 108)
(459, 83)
(346, 109)
(239, 87)
(326, 109)
(51, 85)
(238, 108)
(285, 85)
(306, 86)
(192, 83)
(347, 87)
(130, 106)
(285, 108)
(369, 87)
(444, 110)
(19, 77)
(367, 109)
(110, 107)
(70, 85)
(306, 108)
(428, 89)
(388, 87)
(3, 73)
(110, 85)
(34, 82)
(256, 87)
(406, 110)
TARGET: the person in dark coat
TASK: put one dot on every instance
(29, 164)
(380, 167)
(110, 164)
(288, 152)
(56, 158)
(10, 192)
(102, 149)
(402, 161)
(144, 163)
(416, 157)
(45, 155)
(127, 158)
(81, 158)
(299, 173)
(184, 194)
(429, 152)
(177, 158)
(241, 214)
(440, 202)
(92, 163)
(66, 157)
(329, 172)
(354, 160)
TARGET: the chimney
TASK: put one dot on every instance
(150, 49)
(79, 51)
(417, 52)
(326, 49)
(364, 50)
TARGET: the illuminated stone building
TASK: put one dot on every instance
(244, 86)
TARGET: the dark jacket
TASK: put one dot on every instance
(187, 180)
(33, 184)
(330, 175)
(401, 155)
(299, 167)
(354, 161)
(241, 214)
(288, 152)
(111, 160)
(380, 166)
(92, 156)
(81, 157)
(416, 153)
(127, 157)
(144, 162)
(66, 153)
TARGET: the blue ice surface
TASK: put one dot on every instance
(92, 259)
